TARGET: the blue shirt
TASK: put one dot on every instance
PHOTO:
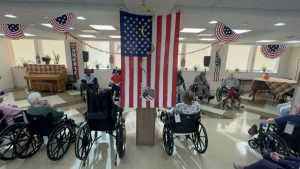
(281, 121)
(228, 82)
(90, 78)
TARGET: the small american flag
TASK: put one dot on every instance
(217, 67)
(147, 93)
(62, 23)
(225, 34)
(13, 31)
(272, 51)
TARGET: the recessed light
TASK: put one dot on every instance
(205, 34)
(45, 17)
(115, 36)
(213, 22)
(10, 16)
(89, 31)
(266, 41)
(71, 28)
(29, 35)
(87, 36)
(207, 39)
(1, 34)
(80, 18)
(240, 31)
(182, 38)
(292, 41)
(47, 25)
(245, 24)
(192, 30)
(103, 27)
(280, 24)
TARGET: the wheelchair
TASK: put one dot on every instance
(190, 127)
(85, 87)
(193, 88)
(222, 92)
(115, 91)
(100, 117)
(60, 133)
(270, 138)
(7, 137)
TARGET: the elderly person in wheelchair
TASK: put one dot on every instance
(201, 87)
(230, 86)
(89, 81)
(184, 120)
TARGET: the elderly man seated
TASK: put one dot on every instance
(232, 84)
(89, 81)
(202, 87)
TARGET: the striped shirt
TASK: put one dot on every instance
(186, 108)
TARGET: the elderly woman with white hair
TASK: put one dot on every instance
(40, 107)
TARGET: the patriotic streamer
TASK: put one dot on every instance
(272, 51)
(225, 34)
(13, 31)
(217, 66)
(63, 23)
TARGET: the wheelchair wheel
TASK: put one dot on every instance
(121, 138)
(200, 139)
(27, 144)
(253, 143)
(59, 142)
(7, 137)
(84, 141)
(168, 139)
(219, 94)
(271, 142)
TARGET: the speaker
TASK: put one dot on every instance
(206, 61)
(85, 55)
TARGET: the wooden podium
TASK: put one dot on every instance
(145, 126)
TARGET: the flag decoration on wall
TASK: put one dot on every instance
(13, 31)
(225, 34)
(63, 23)
(217, 67)
(272, 51)
(147, 73)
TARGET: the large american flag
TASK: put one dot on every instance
(143, 68)
(13, 31)
(272, 51)
(225, 34)
(62, 23)
(217, 67)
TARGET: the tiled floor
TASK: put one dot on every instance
(227, 135)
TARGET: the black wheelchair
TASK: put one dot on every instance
(193, 88)
(100, 116)
(8, 135)
(273, 139)
(115, 91)
(85, 87)
(60, 133)
(190, 126)
(221, 93)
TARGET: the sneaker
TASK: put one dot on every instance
(237, 165)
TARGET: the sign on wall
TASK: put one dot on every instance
(74, 60)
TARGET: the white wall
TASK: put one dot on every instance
(293, 59)
(6, 80)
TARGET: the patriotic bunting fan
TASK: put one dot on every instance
(62, 23)
(272, 51)
(225, 34)
(13, 31)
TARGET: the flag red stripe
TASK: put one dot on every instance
(166, 61)
(139, 81)
(122, 101)
(175, 58)
(131, 80)
(157, 65)
(148, 76)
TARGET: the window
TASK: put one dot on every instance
(238, 57)
(56, 46)
(24, 52)
(260, 61)
(196, 59)
(117, 57)
(96, 57)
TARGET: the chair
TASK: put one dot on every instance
(71, 81)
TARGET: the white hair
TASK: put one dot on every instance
(34, 98)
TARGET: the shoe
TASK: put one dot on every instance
(210, 98)
(200, 98)
(237, 165)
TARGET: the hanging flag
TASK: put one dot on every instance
(62, 23)
(217, 67)
(272, 51)
(143, 68)
(13, 31)
(225, 34)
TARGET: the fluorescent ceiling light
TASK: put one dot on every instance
(292, 41)
(47, 25)
(279, 24)
(1, 34)
(207, 39)
(213, 22)
(103, 27)
(10, 16)
(205, 34)
(80, 18)
(71, 28)
(192, 30)
(240, 31)
(266, 41)
(87, 36)
(29, 35)
(115, 36)
(182, 38)
(45, 17)
(89, 31)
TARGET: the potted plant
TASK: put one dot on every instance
(195, 68)
(237, 69)
(56, 58)
(107, 66)
(46, 59)
(265, 75)
(97, 64)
